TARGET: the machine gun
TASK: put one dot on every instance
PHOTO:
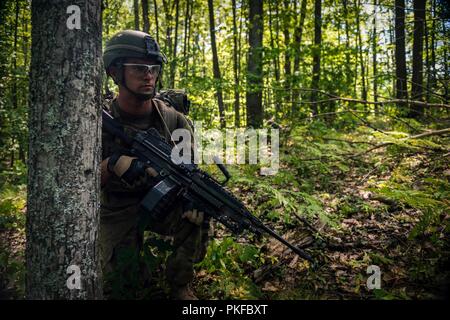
(189, 183)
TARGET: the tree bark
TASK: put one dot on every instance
(417, 70)
(216, 68)
(254, 65)
(63, 168)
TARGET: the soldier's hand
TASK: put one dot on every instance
(195, 216)
(132, 171)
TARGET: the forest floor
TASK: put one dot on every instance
(345, 198)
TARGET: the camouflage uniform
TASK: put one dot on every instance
(119, 205)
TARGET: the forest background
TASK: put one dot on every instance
(360, 93)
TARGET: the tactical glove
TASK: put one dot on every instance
(133, 172)
(194, 216)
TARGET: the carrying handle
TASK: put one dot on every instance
(223, 169)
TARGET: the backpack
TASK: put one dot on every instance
(176, 98)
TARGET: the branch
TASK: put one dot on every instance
(391, 101)
(417, 136)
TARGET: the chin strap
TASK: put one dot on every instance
(140, 96)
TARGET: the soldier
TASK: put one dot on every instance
(134, 61)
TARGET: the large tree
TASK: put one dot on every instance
(63, 168)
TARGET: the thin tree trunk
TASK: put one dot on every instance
(156, 21)
(235, 68)
(417, 70)
(63, 168)
(275, 64)
(287, 52)
(173, 64)
(446, 71)
(145, 16)
(374, 55)
(136, 15)
(348, 72)
(216, 68)
(255, 111)
(316, 52)
(168, 46)
(14, 81)
(360, 50)
(298, 34)
(187, 24)
(427, 61)
(400, 52)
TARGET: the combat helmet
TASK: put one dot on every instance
(131, 44)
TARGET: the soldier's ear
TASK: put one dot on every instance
(113, 72)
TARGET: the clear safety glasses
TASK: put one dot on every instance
(142, 69)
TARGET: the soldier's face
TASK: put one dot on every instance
(140, 82)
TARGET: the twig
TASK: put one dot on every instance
(349, 141)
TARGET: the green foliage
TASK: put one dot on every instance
(12, 203)
(12, 276)
(138, 274)
(226, 261)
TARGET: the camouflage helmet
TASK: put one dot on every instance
(132, 44)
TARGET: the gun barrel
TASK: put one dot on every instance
(297, 250)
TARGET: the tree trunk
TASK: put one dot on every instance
(316, 53)
(360, 50)
(433, 49)
(145, 16)
(254, 65)
(14, 80)
(235, 68)
(63, 168)
(287, 52)
(168, 44)
(400, 52)
(298, 34)
(187, 30)
(374, 55)
(173, 64)
(446, 71)
(156, 21)
(216, 69)
(273, 45)
(136, 15)
(417, 70)
(348, 72)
